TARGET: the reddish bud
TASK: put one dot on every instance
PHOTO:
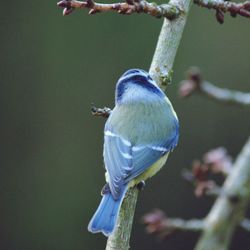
(218, 160)
(67, 11)
(200, 171)
(154, 221)
(194, 74)
(219, 16)
(186, 88)
(63, 4)
(247, 6)
(93, 11)
(244, 13)
(203, 187)
(90, 3)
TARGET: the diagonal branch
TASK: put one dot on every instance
(195, 84)
(169, 11)
(160, 70)
(221, 7)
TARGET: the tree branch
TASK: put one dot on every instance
(230, 207)
(161, 71)
(161, 68)
(119, 240)
(221, 7)
(169, 11)
(195, 84)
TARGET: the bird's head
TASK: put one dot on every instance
(136, 85)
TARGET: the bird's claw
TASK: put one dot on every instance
(141, 185)
(105, 189)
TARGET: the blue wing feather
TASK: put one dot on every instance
(118, 161)
(124, 161)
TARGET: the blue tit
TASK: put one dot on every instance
(138, 136)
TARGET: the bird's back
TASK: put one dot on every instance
(144, 123)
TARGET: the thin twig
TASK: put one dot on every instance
(104, 112)
(169, 11)
(221, 7)
(195, 84)
(158, 223)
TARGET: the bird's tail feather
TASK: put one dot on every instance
(105, 217)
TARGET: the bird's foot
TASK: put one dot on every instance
(105, 189)
(141, 185)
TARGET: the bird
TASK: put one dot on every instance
(139, 134)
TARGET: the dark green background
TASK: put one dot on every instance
(51, 69)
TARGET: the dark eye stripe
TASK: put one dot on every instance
(134, 75)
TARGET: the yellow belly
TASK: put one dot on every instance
(151, 171)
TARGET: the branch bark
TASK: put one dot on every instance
(161, 71)
(161, 68)
(230, 207)
(119, 240)
(129, 7)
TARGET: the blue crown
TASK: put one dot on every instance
(139, 77)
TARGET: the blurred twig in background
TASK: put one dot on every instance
(194, 83)
(230, 206)
(158, 223)
(214, 162)
(232, 198)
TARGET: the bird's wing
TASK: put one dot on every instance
(118, 161)
(125, 161)
(145, 155)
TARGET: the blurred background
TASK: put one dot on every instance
(51, 69)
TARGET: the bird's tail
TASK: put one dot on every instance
(105, 217)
